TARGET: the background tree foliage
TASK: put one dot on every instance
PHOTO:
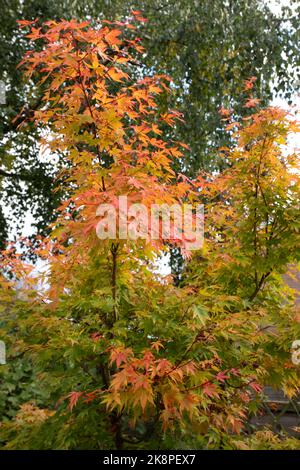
(208, 47)
(120, 358)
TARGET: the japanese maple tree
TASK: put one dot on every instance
(127, 359)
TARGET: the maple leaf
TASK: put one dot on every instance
(91, 396)
(255, 386)
(163, 366)
(120, 355)
(73, 399)
(138, 15)
(176, 375)
(120, 380)
(235, 424)
(185, 146)
(222, 376)
(117, 75)
(224, 112)
(251, 103)
(210, 390)
(157, 345)
(189, 368)
(188, 402)
(148, 359)
(143, 396)
(96, 337)
(141, 381)
(245, 397)
(24, 23)
(232, 125)
(113, 37)
(249, 83)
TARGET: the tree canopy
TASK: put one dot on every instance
(207, 47)
(113, 356)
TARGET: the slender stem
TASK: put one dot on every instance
(114, 252)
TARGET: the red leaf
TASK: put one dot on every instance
(249, 83)
(96, 336)
(251, 103)
(120, 355)
(255, 386)
(225, 112)
(73, 399)
(156, 345)
(24, 23)
(210, 390)
(221, 376)
(163, 366)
